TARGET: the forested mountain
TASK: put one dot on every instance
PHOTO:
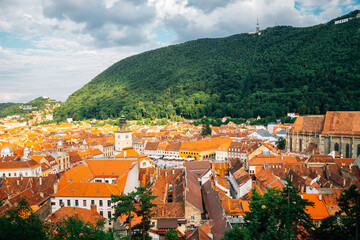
(285, 69)
(37, 104)
(6, 105)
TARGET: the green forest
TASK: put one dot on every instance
(285, 69)
(14, 108)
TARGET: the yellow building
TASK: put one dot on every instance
(202, 149)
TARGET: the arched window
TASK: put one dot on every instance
(300, 145)
(347, 152)
(358, 150)
(336, 147)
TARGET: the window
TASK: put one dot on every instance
(53, 203)
(100, 203)
(347, 152)
(9, 174)
(109, 203)
(60, 202)
(92, 202)
(84, 203)
(358, 150)
(68, 203)
(101, 213)
(192, 218)
(109, 214)
(336, 147)
(76, 202)
(290, 144)
(300, 145)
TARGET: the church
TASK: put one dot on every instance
(337, 132)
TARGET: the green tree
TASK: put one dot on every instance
(74, 229)
(21, 223)
(206, 130)
(278, 214)
(138, 202)
(237, 233)
(144, 209)
(344, 227)
(125, 205)
(171, 235)
(280, 143)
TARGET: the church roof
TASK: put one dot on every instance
(335, 123)
(309, 124)
(342, 123)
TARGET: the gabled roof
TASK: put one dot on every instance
(93, 189)
(193, 191)
(83, 214)
(309, 124)
(342, 123)
(19, 164)
(319, 210)
(109, 168)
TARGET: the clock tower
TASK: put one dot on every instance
(123, 136)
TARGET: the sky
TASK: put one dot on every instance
(54, 47)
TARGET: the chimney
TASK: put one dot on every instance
(320, 197)
(42, 194)
(56, 184)
(40, 181)
(93, 207)
(344, 182)
(21, 177)
(17, 182)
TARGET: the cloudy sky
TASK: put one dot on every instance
(53, 47)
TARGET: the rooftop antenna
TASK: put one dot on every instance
(257, 26)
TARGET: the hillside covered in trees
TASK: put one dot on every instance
(37, 104)
(285, 69)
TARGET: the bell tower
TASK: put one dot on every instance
(123, 136)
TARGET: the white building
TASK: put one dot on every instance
(240, 181)
(90, 195)
(29, 168)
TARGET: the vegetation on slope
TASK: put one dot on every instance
(285, 69)
(37, 104)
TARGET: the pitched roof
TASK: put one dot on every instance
(86, 215)
(110, 168)
(19, 164)
(319, 210)
(342, 123)
(93, 189)
(309, 124)
(193, 191)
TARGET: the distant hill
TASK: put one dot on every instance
(6, 105)
(36, 105)
(285, 69)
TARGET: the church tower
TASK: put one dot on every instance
(123, 136)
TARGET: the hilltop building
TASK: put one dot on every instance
(123, 136)
(336, 132)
